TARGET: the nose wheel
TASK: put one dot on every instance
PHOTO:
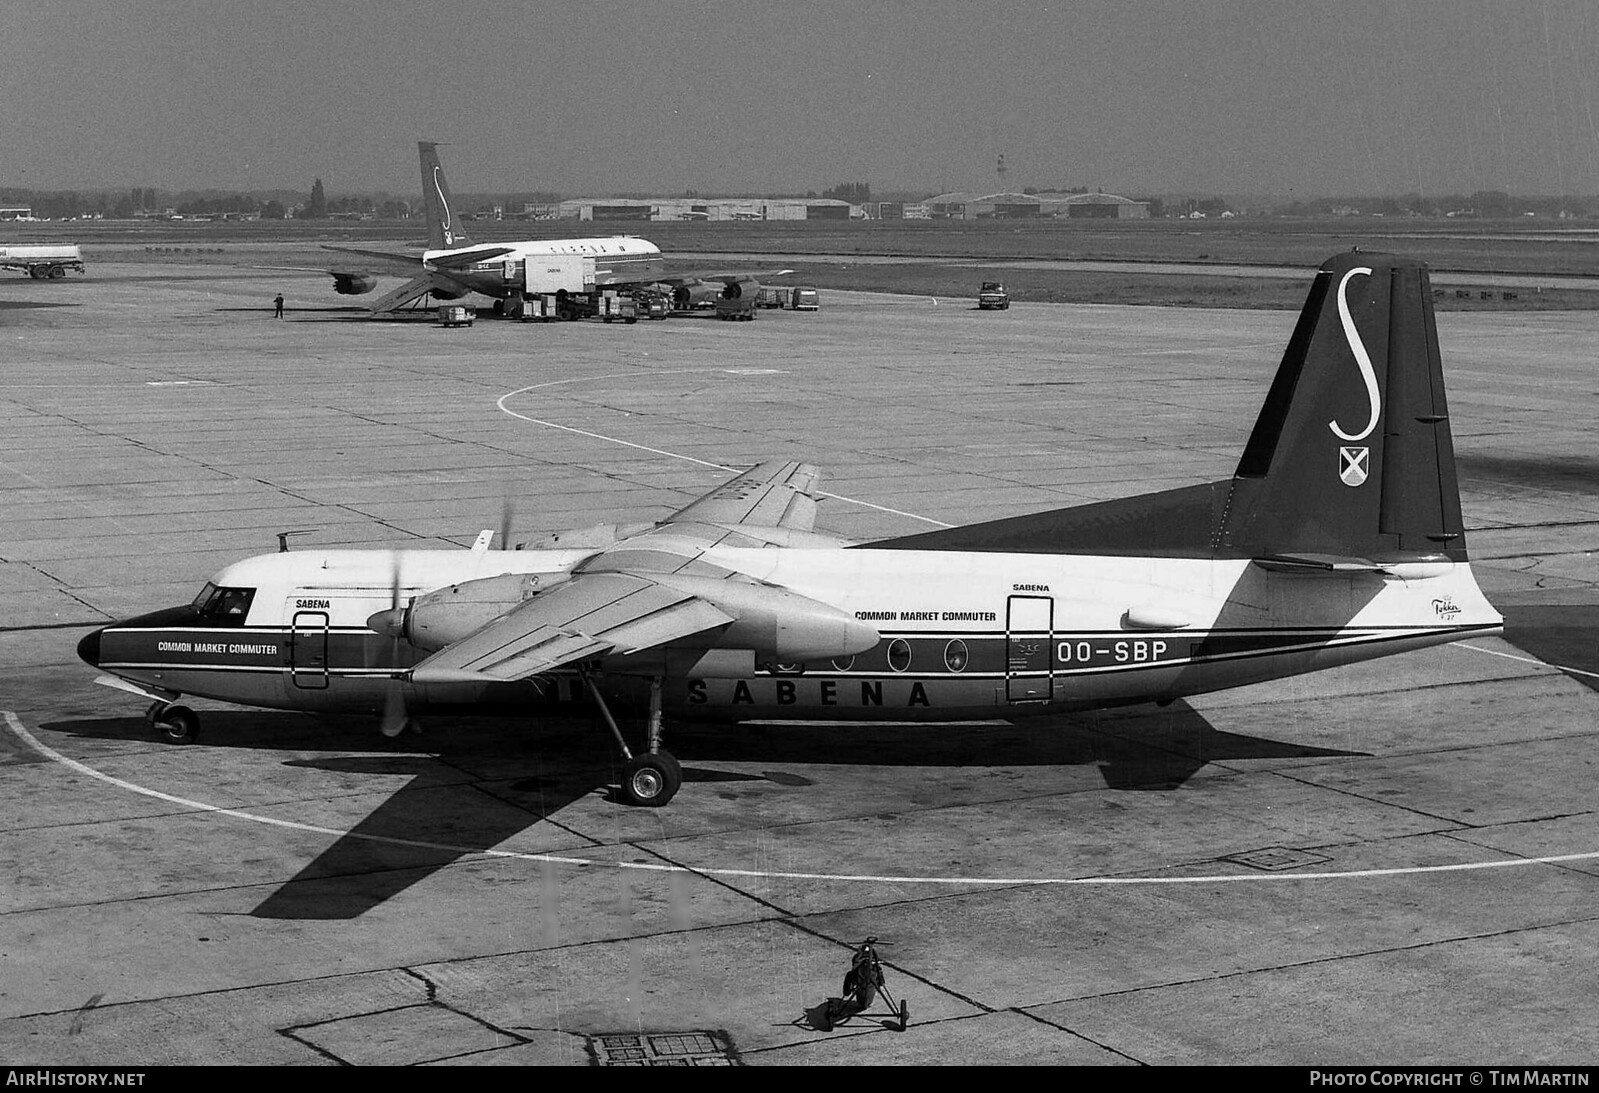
(173, 723)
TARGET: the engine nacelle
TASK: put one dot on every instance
(744, 286)
(446, 290)
(449, 614)
(777, 624)
(354, 284)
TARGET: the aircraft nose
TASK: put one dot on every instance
(89, 648)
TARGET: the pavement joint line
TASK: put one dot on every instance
(38, 745)
(662, 452)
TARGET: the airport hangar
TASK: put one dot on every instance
(947, 206)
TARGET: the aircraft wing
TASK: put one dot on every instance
(390, 258)
(591, 615)
(773, 494)
(689, 277)
(468, 257)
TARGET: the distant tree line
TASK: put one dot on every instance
(317, 205)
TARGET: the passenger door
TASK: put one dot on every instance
(1029, 634)
(308, 650)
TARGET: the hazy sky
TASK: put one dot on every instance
(1132, 96)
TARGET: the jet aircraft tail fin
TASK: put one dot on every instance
(1350, 465)
(443, 232)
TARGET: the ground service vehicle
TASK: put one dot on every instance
(805, 299)
(993, 297)
(43, 260)
(651, 304)
(772, 297)
(739, 308)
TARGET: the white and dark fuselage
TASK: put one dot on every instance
(509, 268)
(962, 635)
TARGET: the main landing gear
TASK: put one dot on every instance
(650, 779)
(173, 723)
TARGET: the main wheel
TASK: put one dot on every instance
(178, 725)
(651, 779)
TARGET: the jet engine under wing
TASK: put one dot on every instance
(589, 616)
(773, 494)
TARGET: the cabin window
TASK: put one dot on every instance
(219, 606)
(955, 656)
(899, 654)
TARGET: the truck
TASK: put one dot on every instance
(737, 308)
(805, 299)
(608, 306)
(652, 304)
(993, 297)
(43, 260)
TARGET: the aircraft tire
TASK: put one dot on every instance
(652, 779)
(178, 725)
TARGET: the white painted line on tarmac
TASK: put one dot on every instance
(1528, 660)
(678, 455)
(34, 742)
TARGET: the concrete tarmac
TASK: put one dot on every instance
(1392, 863)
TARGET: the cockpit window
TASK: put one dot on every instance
(223, 606)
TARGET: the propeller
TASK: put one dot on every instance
(507, 516)
(392, 622)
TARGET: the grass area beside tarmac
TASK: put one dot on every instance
(940, 255)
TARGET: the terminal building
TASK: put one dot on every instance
(1074, 206)
(699, 208)
(951, 206)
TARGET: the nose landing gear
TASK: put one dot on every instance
(173, 723)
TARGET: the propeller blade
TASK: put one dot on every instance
(395, 717)
(392, 622)
(507, 514)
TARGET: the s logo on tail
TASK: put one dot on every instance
(444, 203)
(1362, 358)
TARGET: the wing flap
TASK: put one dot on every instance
(771, 494)
(589, 616)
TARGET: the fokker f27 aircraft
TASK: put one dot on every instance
(453, 265)
(1338, 539)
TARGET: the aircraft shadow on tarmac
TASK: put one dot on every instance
(476, 782)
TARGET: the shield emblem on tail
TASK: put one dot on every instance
(1354, 464)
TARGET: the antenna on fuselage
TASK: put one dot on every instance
(283, 538)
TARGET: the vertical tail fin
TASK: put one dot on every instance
(443, 233)
(1351, 459)
(1352, 454)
